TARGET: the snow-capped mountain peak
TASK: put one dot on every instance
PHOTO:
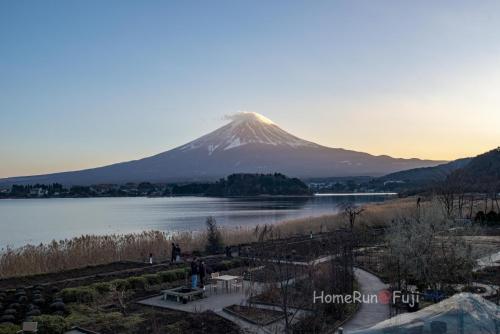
(246, 128)
(249, 143)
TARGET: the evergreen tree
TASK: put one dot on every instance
(214, 239)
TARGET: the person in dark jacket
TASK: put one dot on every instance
(173, 253)
(202, 271)
(194, 273)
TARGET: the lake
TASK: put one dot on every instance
(24, 221)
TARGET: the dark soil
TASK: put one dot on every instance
(299, 248)
(255, 315)
(86, 276)
(159, 320)
(100, 273)
(8, 283)
(298, 297)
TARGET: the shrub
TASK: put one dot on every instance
(51, 324)
(83, 294)
(225, 265)
(115, 322)
(137, 282)
(9, 329)
(178, 327)
(102, 287)
(152, 279)
(228, 264)
(167, 276)
(180, 273)
(120, 284)
(173, 275)
(235, 263)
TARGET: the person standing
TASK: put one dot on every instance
(173, 253)
(202, 271)
(194, 273)
(177, 253)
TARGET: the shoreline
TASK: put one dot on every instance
(225, 229)
(88, 250)
(228, 197)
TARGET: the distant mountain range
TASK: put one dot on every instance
(250, 143)
(476, 173)
(426, 174)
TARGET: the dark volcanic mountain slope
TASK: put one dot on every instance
(249, 144)
(484, 166)
(482, 173)
(427, 174)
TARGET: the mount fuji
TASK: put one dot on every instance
(249, 143)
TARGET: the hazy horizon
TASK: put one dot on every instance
(87, 84)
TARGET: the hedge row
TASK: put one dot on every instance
(8, 328)
(228, 264)
(89, 293)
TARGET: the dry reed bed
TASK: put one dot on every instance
(92, 250)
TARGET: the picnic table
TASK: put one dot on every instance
(227, 279)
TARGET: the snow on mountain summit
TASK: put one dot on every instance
(244, 116)
(246, 128)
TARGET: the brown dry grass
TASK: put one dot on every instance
(374, 214)
(94, 250)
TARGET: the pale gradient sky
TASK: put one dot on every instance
(88, 83)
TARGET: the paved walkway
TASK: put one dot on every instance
(490, 260)
(213, 302)
(217, 302)
(368, 314)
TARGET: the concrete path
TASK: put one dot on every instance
(490, 260)
(213, 302)
(217, 303)
(368, 314)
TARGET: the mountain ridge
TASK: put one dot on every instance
(475, 174)
(249, 143)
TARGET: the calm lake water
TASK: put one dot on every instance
(24, 221)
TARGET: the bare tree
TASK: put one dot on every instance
(430, 248)
(292, 275)
(275, 257)
(446, 196)
(351, 211)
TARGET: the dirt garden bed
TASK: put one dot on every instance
(169, 321)
(254, 315)
(94, 272)
(106, 272)
(266, 273)
(298, 296)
